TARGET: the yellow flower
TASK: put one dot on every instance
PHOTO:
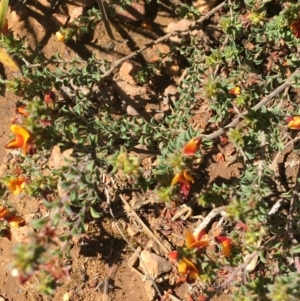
(192, 146)
(293, 122)
(21, 140)
(60, 37)
(185, 179)
(197, 240)
(188, 268)
(15, 221)
(16, 186)
(235, 91)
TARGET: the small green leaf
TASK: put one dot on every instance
(94, 213)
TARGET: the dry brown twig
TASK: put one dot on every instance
(165, 246)
(258, 106)
(129, 243)
(212, 214)
(159, 40)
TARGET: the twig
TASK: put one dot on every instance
(105, 21)
(185, 209)
(159, 40)
(238, 269)
(263, 102)
(145, 228)
(172, 297)
(262, 156)
(130, 244)
(212, 214)
(276, 206)
(105, 296)
(293, 207)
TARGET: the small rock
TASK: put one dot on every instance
(76, 13)
(84, 3)
(132, 232)
(58, 159)
(131, 111)
(68, 296)
(155, 265)
(128, 70)
(131, 13)
(163, 48)
(59, 19)
(20, 14)
(182, 25)
(204, 5)
(171, 90)
(159, 116)
(170, 67)
(132, 96)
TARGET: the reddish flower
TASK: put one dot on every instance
(293, 122)
(174, 255)
(192, 146)
(220, 157)
(21, 140)
(295, 27)
(223, 139)
(235, 91)
(226, 243)
(185, 180)
(241, 226)
(49, 99)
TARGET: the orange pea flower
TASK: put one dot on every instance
(22, 110)
(188, 268)
(235, 91)
(60, 37)
(185, 180)
(192, 146)
(226, 243)
(16, 186)
(13, 220)
(295, 27)
(293, 122)
(196, 240)
(21, 140)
